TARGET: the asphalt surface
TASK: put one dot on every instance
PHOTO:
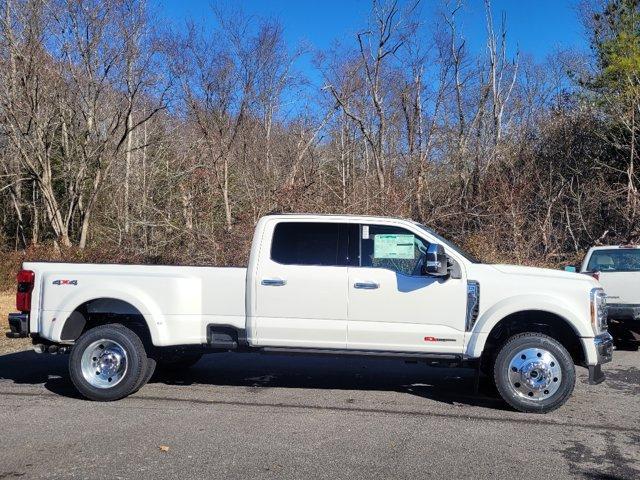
(258, 416)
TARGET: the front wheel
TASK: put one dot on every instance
(534, 373)
(108, 363)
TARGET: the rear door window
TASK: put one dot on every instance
(311, 243)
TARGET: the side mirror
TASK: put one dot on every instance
(570, 268)
(436, 263)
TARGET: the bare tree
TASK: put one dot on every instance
(131, 145)
(376, 46)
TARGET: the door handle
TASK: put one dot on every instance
(273, 282)
(366, 285)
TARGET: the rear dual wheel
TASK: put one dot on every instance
(109, 362)
(534, 373)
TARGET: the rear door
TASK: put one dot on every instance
(301, 286)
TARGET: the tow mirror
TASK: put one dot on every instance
(570, 268)
(436, 263)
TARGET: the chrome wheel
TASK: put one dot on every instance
(104, 363)
(534, 374)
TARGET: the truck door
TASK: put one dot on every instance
(392, 306)
(301, 286)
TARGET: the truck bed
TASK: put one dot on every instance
(178, 302)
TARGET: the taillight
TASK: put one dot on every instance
(25, 287)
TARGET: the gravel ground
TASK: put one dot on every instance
(258, 416)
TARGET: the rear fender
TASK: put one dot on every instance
(53, 321)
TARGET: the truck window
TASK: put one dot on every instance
(309, 243)
(615, 260)
(393, 248)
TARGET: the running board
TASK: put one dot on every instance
(437, 357)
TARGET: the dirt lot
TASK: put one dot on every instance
(259, 416)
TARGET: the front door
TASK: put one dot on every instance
(392, 306)
(301, 287)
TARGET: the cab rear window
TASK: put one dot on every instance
(615, 260)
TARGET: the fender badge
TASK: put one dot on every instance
(436, 339)
(65, 282)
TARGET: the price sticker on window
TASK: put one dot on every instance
(393, 246)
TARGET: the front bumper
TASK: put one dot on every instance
(18, 325)
(603, 344)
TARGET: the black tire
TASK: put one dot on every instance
(134, 367)
(516, 364)
(177, 360)
(151, 358)
(151, 368)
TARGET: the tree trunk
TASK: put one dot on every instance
(127, 170)
(225, 195)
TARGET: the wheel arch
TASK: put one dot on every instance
(532, 320)
(128, 308)
(530, 311)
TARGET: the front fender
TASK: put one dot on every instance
(519, 303)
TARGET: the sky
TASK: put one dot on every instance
(534, 27)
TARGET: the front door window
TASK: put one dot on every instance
(393, 248)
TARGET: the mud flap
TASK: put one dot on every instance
(595, 374)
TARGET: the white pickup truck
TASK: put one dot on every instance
(347, 285)
(617, 268)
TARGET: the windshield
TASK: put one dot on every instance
(615, 260)
(450, 244)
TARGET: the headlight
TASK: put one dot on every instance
(598, 310)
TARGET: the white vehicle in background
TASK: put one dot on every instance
(323, 284)
(617, 268)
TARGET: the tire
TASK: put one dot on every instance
(152, 361)
(117, 356)
(151, 368)
(534, 373)
(177, 360)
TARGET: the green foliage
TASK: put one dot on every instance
(616, 41)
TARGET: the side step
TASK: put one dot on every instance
(225, 337)
(229, 337)
(435, 357)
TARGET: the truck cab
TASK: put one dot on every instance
(343, 284)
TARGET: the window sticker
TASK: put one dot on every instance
(393, 246)
(365, 232)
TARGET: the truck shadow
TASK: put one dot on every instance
(31, 368)
(625, 336)
(452, 386)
